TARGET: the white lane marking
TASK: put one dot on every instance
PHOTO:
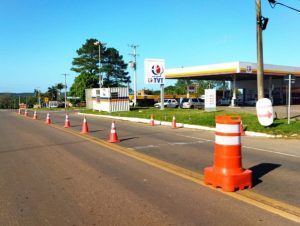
(198, 138)
(253, 148)
(274, 152)
(143, 147)
(166, 144)
(185, 143)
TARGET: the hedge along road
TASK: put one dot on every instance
(193, 150)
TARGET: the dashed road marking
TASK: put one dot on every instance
(276, 207)
(271, 205)
(248, 147)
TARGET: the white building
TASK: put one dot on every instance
(107, 99)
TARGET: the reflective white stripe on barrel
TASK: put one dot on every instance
(226, 128)
(228, 140)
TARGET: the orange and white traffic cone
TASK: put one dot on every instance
(227, 171)
(34, 116)
(67, 122)
(113, 134)
(26, 113)
(174, 123)
(151, 120)
(242, 129)
(85, 128)
(48, 120)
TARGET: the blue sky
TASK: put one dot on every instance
(39, 38)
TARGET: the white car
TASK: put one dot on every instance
(168, 103)
(192, 103)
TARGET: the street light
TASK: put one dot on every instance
(39, 96)
(273, 3)
(133, 66)
(65, 89)
(260, 25)
(98, 43)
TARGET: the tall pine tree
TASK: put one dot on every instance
(113, 68)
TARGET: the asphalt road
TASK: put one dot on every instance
(51, 177)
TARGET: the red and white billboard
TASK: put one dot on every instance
(154, 70)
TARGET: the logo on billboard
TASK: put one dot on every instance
(157, 70)
(154, 71)
(248, 69)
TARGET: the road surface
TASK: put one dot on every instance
(50, 176)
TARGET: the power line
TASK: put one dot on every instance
(273, 3)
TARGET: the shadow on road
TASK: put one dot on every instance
(129, 138)
(260, 170)
(97, 130)
(76, 125)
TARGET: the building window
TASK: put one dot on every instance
(114, 95)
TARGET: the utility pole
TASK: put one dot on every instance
(259, 42)
(39, 96)
(40, 99)
(98, 43)
(65, 89)
(133, 66)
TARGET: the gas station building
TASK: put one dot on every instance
(242, 77)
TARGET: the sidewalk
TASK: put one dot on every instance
(179, 125)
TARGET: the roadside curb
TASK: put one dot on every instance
(179, 125)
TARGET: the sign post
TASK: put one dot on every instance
(154, 74)
(291, 79)
(210, 100)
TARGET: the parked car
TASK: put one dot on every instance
(53, 104)
(191, 103)
(168, 103)
(250, 102)
(239, 102)
(224, 101)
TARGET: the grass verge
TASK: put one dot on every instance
(200, 117)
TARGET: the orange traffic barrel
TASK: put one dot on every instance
(227, 171)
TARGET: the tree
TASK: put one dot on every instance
(82, 82)
(87, 60)
(59, 87)
(181, 86)
(6, 101)
(113, 68)
(36, 93)
(52, 93)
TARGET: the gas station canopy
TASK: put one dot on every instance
(226, 71)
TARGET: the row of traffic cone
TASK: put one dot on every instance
(85, 129)
(174, 126)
